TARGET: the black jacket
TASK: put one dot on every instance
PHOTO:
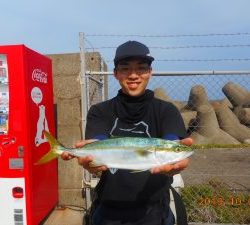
(143, 116)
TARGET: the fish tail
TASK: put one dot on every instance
(53, 153)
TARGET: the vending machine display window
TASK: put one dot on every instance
(4, 95)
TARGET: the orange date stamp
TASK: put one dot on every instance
(221, 201)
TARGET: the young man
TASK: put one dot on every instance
(126, 198)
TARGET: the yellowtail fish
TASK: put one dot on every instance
(131, 153)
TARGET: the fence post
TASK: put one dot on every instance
(84, 105)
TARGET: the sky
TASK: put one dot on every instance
(49, 26)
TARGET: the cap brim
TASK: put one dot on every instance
(149, 58)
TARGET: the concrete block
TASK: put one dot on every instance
(207, 130)
(70, 63)
(188, 117)
(230, 123)
(71, 197)
(243, 115)
(70, 174)
(93, 61)
(69, 135)
(67, 87)
(161, 94)
(65, 64)
(197, 98)
(236, 94)
(69, 112)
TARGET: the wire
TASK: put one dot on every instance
(195, 60)
(204, 46)
(93, 49)
(200, 60)
(169, 35)
(181, 47)
(91, 45)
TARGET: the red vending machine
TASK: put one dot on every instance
(28, 192)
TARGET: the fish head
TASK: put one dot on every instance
(167, 154)
(173, 146)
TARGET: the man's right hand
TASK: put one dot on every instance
(87, 161)
(67, 156)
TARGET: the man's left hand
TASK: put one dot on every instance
(172, 169)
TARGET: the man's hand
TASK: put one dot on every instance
(187, 141)
(87, 161)
(68, 156)
(172, 169)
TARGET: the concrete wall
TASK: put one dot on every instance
(67, 97)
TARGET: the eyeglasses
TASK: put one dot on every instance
(126, 70)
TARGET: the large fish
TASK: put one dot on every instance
(132, 153)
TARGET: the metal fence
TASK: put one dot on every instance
(217, 182)
(215, 106)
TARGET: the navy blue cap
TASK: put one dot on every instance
(132, 49)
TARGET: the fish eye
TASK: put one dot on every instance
(178, 149)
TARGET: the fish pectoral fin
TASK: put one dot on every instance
(144, 151)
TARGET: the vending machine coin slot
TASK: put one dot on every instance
(20, 150)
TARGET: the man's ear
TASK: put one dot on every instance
(150, 71)
(115, 73)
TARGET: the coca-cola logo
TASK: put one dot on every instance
(39, 76)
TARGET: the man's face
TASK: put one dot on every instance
(133, 76)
